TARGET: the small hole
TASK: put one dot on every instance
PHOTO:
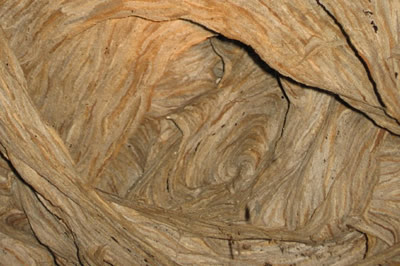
(247, 213)
(374, 26)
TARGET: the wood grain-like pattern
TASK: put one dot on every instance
(199, 132)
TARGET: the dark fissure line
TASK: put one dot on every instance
(52, 253)
(366, 245)
(77, 249)
(337, 98)
(278, 78)
(357, 54)
(18, 176)
(168, 184)
(230, 243)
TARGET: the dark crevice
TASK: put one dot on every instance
(198, 144)
(247, 213)
(53, 255)
(357, 54)
(199, 25)
(263, 65)
(249, 50)
(176, 125)
(45, 207)
(366, 246)
(339, 99)
(108, 263)
(77, 249)
(267, 69)
(221, 58)
(230, 244)
(278, 78)
(15, 172)
(115, 240)
(363, 62)
(365, 236)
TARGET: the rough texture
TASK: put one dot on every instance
(199, 132)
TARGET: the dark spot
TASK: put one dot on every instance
(230, 243)
(235, 124)
(282, 97)
(168, 184)
(267, 264)
(247, 213)
(243, 113)
(197, 146)
(374, 26)
(113, 238)
(396, 74)
(246, 246)
(324, 161)
(223, 126)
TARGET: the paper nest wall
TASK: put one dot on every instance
(199, 132)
